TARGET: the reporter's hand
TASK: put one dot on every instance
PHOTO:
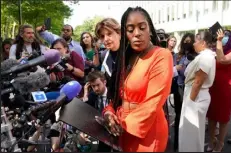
(40, 28)
(86, 87)
(83, 138)
(89, 62)
(179, 67)
(220, 35)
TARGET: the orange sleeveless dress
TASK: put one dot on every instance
(148, 85)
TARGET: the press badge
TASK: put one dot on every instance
(39, 96)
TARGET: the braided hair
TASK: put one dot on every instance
(124, 54)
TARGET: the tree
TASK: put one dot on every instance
(34, 12)
(88, 26)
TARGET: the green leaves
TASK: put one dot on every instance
(34, 12)
(88, 26)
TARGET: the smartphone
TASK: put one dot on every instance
(47, 23)
(214, 28)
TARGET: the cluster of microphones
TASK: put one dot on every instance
(25, 88)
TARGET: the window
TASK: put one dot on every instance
(190, 8)
(173, 13)
(168, 13)
(178, 11)
(184, 9)
(197, 15)
(215, 5)
(159, 14)
(225, 5)
(156, 16)
(184, 15)
(206, 11)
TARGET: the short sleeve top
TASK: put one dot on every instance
(206, 62)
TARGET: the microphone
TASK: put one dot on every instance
(33, 55)
(7, 64)
(59, 66)
(29, 83)
(50, 57)
(67, 93)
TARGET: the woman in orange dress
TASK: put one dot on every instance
(143, 80)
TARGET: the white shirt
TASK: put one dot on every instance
(28, 48)
(207, 63)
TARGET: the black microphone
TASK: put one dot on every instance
(40, 106)
(34, 109)
(67, 93)
(28, 84)
(33, 55)
(50, 57)
(59, 66)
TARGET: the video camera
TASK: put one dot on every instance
(162, 37)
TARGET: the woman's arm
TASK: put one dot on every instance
(76, 71)
(78, 66)
(96, 57)
(223, 59)
(206, 63)
(200, 78)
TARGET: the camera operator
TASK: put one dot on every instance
(162, 37)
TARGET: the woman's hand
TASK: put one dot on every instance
(113, 123)
(179, 67)
(220, 35)
(89, 62)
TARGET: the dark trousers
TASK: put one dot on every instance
(178, 99)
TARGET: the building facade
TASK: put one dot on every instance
(179, 17)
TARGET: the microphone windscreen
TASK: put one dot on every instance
(7, 64)
(52, 56)
(71, 89)
(31, 83)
